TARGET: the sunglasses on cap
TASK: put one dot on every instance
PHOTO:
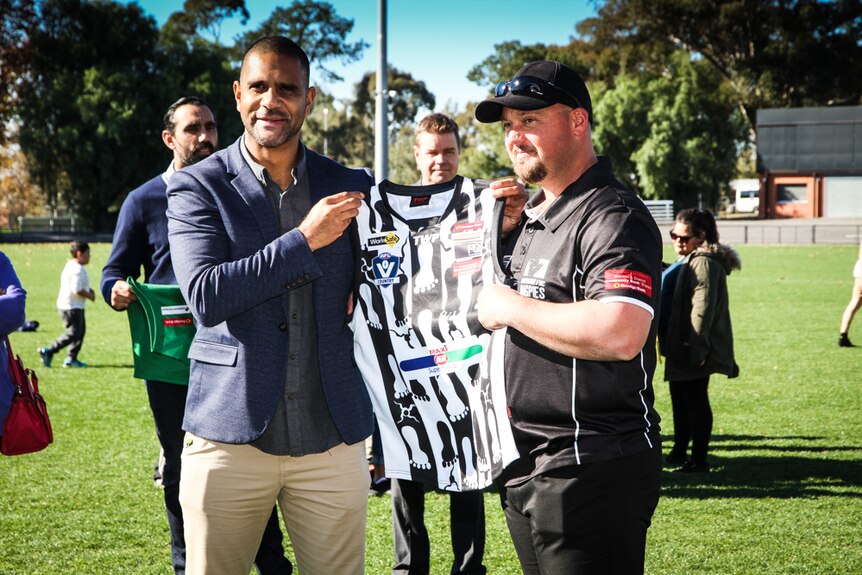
(675, 237)
(536, 88)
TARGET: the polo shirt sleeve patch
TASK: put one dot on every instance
(629, 280)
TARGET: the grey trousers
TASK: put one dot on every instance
(75, 326)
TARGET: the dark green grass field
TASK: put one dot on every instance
(785, 496)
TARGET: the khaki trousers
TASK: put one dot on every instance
(227, 492)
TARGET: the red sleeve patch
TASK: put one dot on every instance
(628, 280)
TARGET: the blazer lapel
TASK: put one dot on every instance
(318, 184)
(252, 192)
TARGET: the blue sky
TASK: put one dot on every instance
(436, 41)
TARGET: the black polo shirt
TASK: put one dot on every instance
(596, 241)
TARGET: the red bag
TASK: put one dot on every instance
(27, 428)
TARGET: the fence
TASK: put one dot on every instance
(661, 210)
(46, 224)
(786, 232)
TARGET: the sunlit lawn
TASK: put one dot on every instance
(784, 497)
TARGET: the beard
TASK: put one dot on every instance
(270, 139)
(529, 168)
(196, 154)
(532, 171)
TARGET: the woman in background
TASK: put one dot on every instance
(696, 335)
(12, 299)
(855, 303)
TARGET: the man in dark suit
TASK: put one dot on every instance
(276, 408)
(141, 242)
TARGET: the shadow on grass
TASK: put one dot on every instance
(817, 474)
(802, 443)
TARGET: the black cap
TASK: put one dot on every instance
(566, 87)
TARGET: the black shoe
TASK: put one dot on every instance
(674, 459)
(29, 325)
(844, 341)
(693, 467)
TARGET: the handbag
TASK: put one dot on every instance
(27, 428)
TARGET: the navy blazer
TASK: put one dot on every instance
(140, 239)
(235, 270)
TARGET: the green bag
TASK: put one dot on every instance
(162, 330)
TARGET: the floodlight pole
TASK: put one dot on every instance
(381, 116)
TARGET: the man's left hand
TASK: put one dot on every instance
(516, 198)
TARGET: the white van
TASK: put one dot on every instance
(747, 195)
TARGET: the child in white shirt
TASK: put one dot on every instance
(74, 292)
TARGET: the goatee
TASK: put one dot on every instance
(532, 173)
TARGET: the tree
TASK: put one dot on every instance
(204, 16)
(407, 97)
(483, 149)
(671, 136)
(773, 53)
(350, 130)
(508, 57)
(402, 163)
(88, 126)
(17, 19)
(198, 67)
(18, 195)
(317, 27)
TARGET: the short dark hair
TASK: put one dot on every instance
(438, 124)
(78, 246)
(283, 47)
(701, 222)
(170, 124)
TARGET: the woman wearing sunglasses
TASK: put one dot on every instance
(695, 332)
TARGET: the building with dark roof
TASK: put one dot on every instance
(810, 162)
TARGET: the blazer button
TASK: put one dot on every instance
(305, 277)
(282, 327)
(287, 285)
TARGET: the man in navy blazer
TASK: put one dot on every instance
(141, 241)
(276, 408)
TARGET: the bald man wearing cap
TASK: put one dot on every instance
(579, 306)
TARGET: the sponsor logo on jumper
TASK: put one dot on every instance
(471, 250)
(536, 268)
(389, 239)
(532, 287)
(440, 356)
(385, 268)
(532, 283)
(176, 315)
(420, 239)
(628, 280)
(175, 310)
(466, 266)
(467, 231)
(417, 201)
